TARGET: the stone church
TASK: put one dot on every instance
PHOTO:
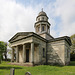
(40, 47)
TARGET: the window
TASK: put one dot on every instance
(43, 28)
(38, 29)
(43, 52)
(38, 19)
(42, 18)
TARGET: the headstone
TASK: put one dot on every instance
(27, 73)
(12, 71)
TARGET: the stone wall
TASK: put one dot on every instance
(39, 50)
(36, 54)
(67, 53)
(46, 36)
(56, 52)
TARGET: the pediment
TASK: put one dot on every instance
(19, 35)
(17, 38)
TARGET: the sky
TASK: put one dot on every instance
(20, 16)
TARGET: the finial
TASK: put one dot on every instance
(42, 9)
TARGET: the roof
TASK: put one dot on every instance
(66, 38)
(42, 13)
(29, 34)
(24, 36)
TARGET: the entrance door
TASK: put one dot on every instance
(27, 55)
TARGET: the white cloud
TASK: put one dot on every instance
(66, 10)
(15, 17)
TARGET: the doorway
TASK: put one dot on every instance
(27, 55)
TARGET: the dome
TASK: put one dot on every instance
(42, 13)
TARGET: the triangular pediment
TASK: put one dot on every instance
(20, 35)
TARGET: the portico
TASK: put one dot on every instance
(28, 48)
(24, 53)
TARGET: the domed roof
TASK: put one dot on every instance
(42, 13)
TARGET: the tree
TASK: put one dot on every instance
(10, 51)
(73, 42)
(5, 52)
(73, 47)
(3, 47)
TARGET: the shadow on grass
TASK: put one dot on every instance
(72, 63)
(7, 68)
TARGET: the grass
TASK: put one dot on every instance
(38, 70)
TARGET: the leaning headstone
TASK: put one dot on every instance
(27, 73)
(12, 71)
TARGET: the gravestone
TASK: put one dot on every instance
(27, 73)
(12, 71)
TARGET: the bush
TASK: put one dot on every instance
(72, 56)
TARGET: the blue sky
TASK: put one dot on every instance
(34, 2)
(20, 15)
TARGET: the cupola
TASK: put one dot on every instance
(42, 26)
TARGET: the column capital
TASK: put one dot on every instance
(32, 42)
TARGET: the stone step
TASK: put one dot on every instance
(22, 64)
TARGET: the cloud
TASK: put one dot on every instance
(65, 9)
(15, 18)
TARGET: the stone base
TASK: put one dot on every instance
(22, 64)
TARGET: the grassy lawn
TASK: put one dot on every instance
(38, 70)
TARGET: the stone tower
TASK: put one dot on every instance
(42, 26)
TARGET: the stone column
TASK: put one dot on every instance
(46, 28)
(12, 58)
(17, 54)
(24, 53)
(49, 30)
(35, 29)
(32, 52)
(40, 28)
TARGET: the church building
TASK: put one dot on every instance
(40, 47)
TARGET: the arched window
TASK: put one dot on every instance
(38, 29)
(42, 18)
(43, 28)
(38, 19)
